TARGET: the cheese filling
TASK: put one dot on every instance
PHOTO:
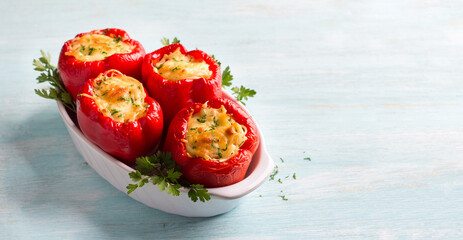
(95, 47)
(119, 97)
(214, 135)
(176, 66)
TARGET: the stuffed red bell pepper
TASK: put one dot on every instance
(213, 142)
(92, 53)
(177, 78)
(115, 113)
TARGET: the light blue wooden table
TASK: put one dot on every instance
(371, 91)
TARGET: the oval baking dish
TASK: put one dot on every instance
(223, 199)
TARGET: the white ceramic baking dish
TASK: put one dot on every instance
(223, 199)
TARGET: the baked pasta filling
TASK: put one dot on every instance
(119, 97)
(95, 47)
(176, 65)
(213, 134)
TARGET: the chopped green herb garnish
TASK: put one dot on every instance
(118, 39)
(202, 119)
(274, 173)
(283, 197)
(114, 111)
(160, 66)
(226, 147)
(294, 176)
(90, 50)
(307, 158)
(282, 160)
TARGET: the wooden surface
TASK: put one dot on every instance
(371, 91)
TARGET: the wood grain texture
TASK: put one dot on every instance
(371, 91)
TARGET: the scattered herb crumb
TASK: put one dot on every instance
(274, 173)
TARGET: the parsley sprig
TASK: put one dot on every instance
(161, 169)
(241, 93)
(49, 73)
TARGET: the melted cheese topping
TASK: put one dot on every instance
(95, 47)
(213, 134)
(176, 66)
(119, 97)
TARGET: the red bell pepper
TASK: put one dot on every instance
(175, 95)
(212, 172)
(125, 139)
(74, 73)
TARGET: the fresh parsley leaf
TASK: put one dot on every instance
(173, 189)
(307, 158)
(142, 182)
(162, 185)
(294, 176)
(176, 40)
(166, 42)
(217, 61)
(144, 165)
(135, 176)
(162, 170)
(243, 93)
(227, 78)
(131, 188)
(173, 175)
(49, 73)
(197, 191)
